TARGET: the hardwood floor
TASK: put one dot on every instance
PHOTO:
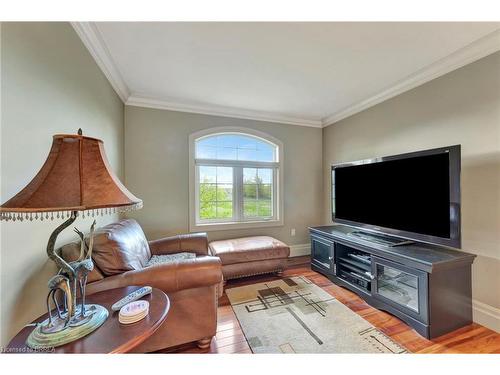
(230, 338)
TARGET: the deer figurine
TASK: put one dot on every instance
(84, 265)
(81, 268)
(59, 282)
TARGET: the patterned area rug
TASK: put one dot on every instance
(293, 315)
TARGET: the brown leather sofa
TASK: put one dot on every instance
(121, 253)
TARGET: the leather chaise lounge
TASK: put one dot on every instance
(250, 256)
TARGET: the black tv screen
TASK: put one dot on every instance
(414, 196)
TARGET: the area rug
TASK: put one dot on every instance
(293, 315)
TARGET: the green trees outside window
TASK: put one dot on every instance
(235, 178)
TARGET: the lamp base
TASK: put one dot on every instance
(42, 338)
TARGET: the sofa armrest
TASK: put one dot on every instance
(169, 277)
(195, 242)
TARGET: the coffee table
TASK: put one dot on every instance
(112, 336)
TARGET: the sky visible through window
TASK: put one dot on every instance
(235, 147)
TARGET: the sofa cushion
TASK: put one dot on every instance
(157, 260)
(120, 247)
(249, 249)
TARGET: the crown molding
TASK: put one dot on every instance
(214, 110)
(466, 55)
(92, 39)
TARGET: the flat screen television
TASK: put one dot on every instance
(414, 196)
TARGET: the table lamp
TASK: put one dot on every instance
(76, 177)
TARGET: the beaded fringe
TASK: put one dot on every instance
(22, 216)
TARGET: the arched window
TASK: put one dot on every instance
(236, 177)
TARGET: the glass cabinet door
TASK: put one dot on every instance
(400, 286)
(322, 253)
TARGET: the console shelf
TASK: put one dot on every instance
(426, 286)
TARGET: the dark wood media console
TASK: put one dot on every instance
(428, 287)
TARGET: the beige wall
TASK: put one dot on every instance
(157, 170)
(50, 84)
(462, 107)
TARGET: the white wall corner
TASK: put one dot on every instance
(300, 250)
(486, 315)
(472, 52)
(92, 39)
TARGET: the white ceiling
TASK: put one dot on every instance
(300, 73)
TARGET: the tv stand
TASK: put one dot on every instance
(385, 240)
(428, 287)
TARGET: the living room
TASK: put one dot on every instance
(262, 187)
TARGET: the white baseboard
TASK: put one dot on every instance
(486, 315)
(300, 250)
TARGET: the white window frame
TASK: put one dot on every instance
(233, 223)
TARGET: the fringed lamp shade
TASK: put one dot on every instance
(75, 177)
